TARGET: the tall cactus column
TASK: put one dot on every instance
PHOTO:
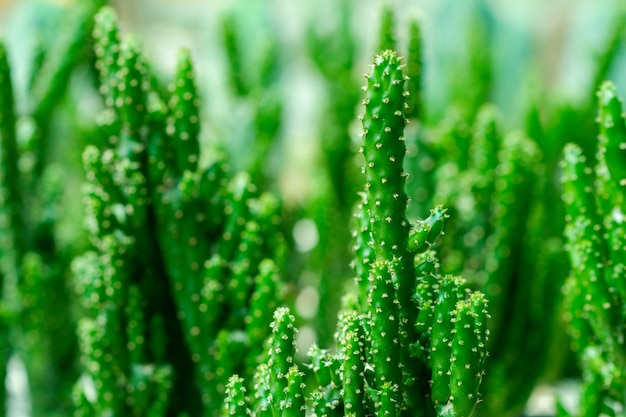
(384, 150)
(385, 201)
(410, 342)
(406, 296)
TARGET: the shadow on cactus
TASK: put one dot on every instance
(410, 342)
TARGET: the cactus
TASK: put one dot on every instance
(176, 273)
(333, 53)
(253, 76)
(415, 69)
(595, 291)
(494, 186)
(10, 246)
(180, 248)
(387, 362)
(37, 302)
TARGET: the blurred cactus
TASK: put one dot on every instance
(333, 53)
(184, 250)
(504, 240)
(254, 77)
(416, 344)
(182, 274)
(415, 70)
(595, 291)
(12, 222)
(36, 300)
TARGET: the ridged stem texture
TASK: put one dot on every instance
(179, 247)
(410, 342)
(595, 291)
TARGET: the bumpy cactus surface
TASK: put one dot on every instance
(413, 342)
(182, 277)
(168, 299)
(37, 322)
(595, 291)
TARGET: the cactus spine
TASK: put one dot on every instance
(595, 292)
(386, 361)
(179, 248)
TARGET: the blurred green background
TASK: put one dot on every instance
(549, 44)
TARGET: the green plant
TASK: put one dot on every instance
(182, 274)
(494, 184)
(412, 342)
(37, 320)
(177, 272)
(254, 75)
(595, 291)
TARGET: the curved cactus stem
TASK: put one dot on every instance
(426, 232)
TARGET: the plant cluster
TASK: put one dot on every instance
(595, 291)
(412, 342)
(176, 294)
(184, 269)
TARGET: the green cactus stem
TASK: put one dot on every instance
(594, 292)
(384, 331)
(353, 345)
(425, 232)
(423, 358)
(183, 125)
(236, 401)
(415, 69)
(384, 150)
(281, 357)
(211, 234)
(467, 363)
